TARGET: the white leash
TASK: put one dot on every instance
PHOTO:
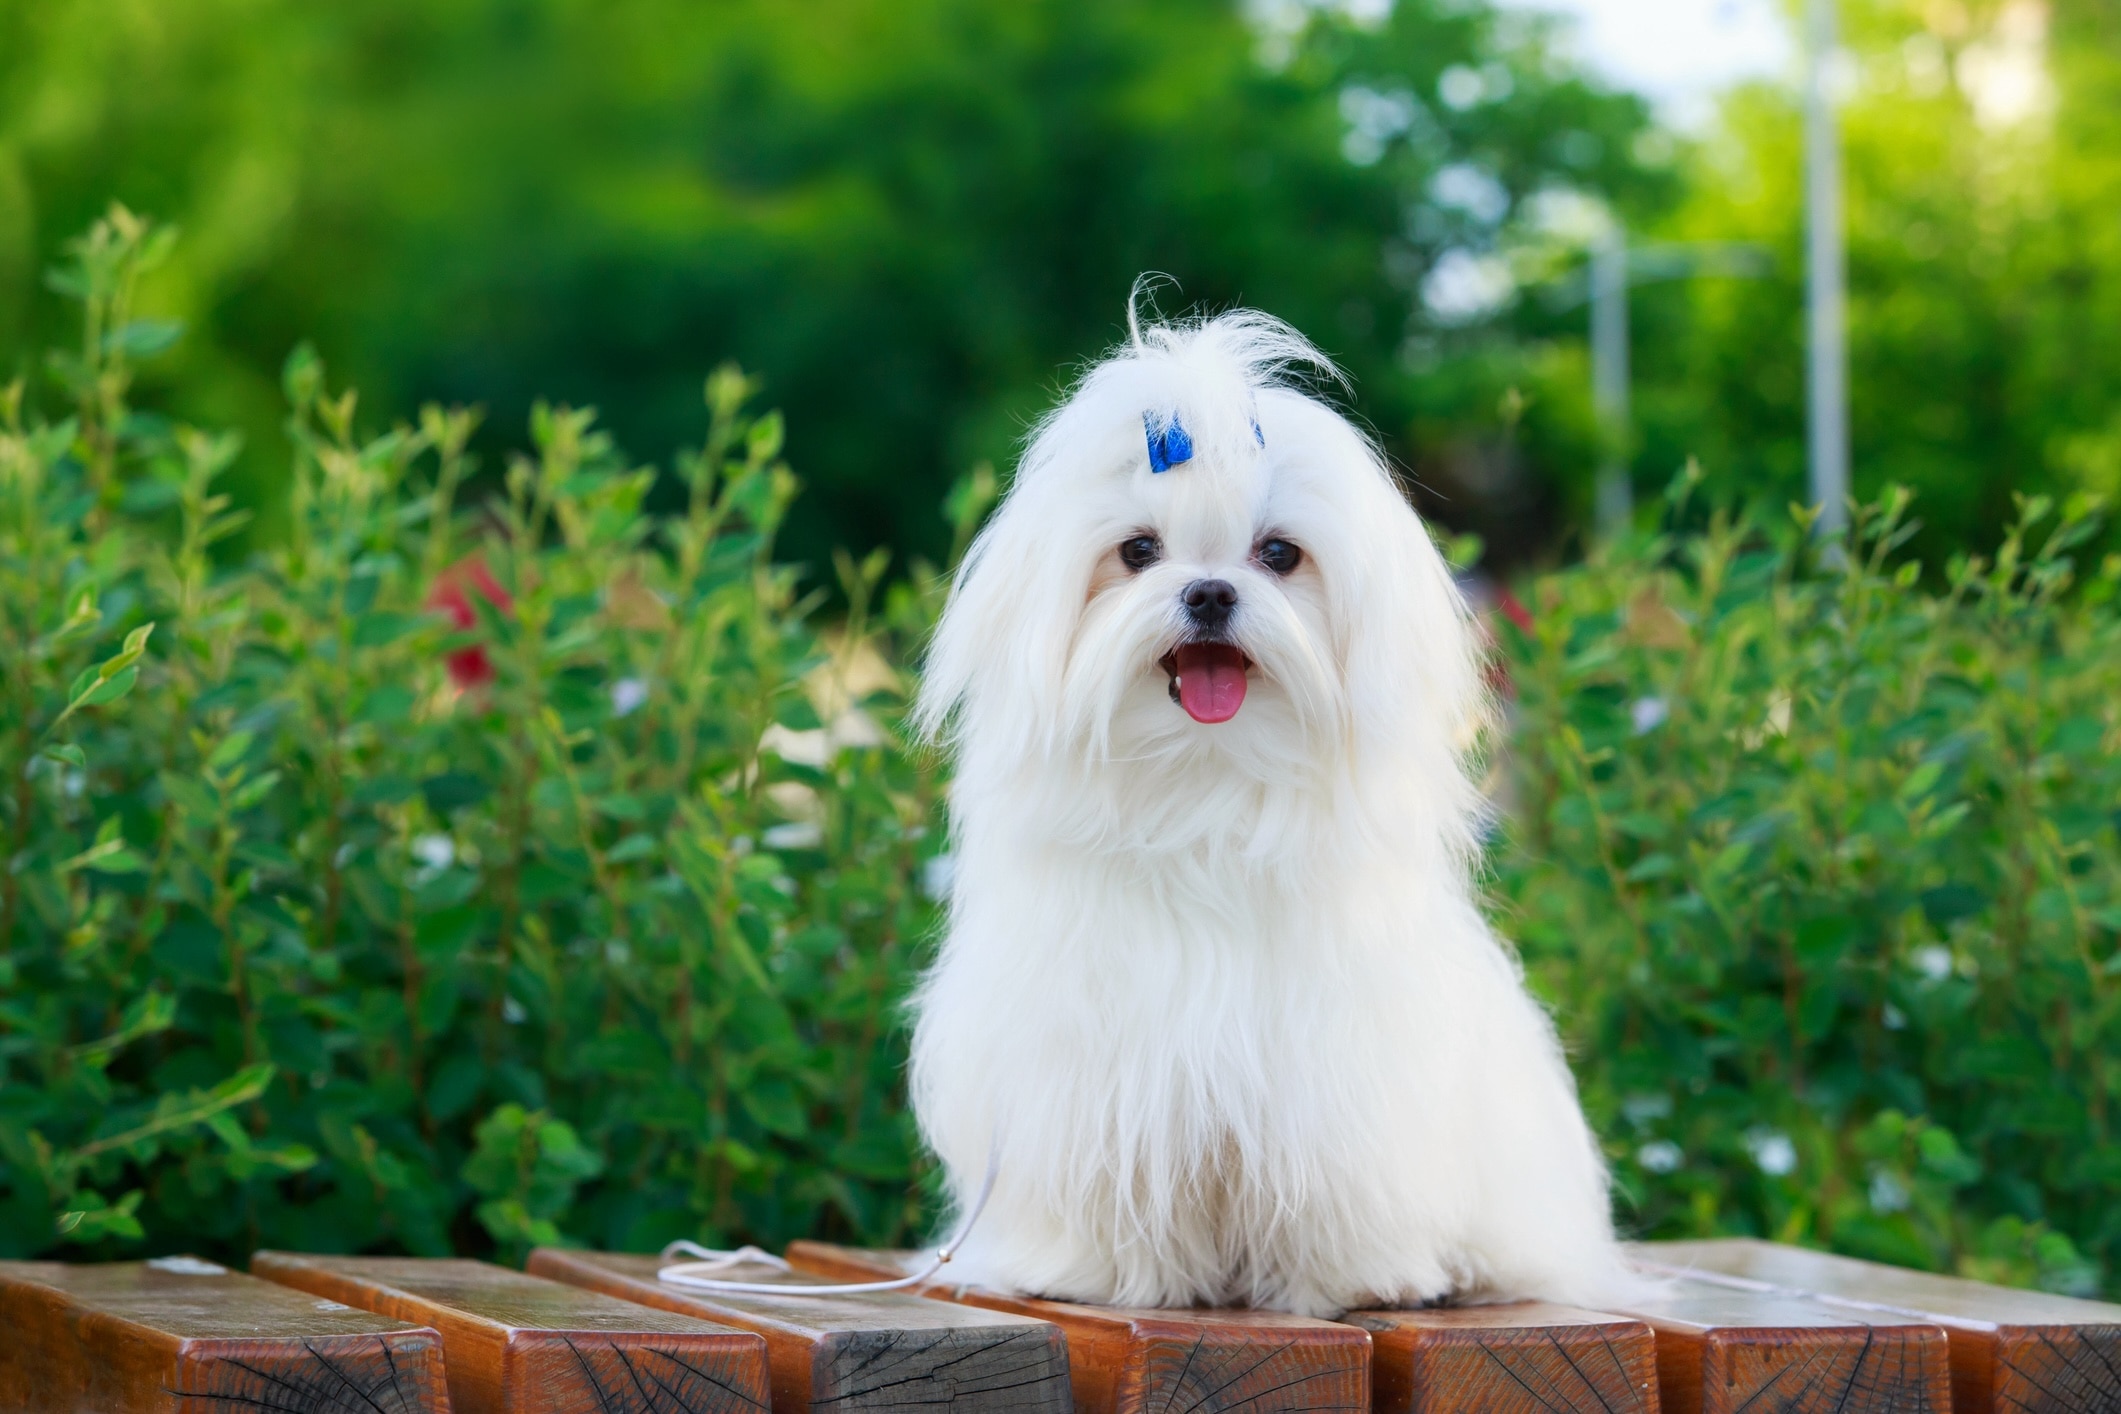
(693, 1275)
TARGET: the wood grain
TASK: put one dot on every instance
(2012, 1352)
(1124, 1360)
(180, 1336)
(883, 1351)
(520, 1344)
(1721, 1350)
(1524, 1358)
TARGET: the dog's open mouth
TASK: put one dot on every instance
(1207, 679)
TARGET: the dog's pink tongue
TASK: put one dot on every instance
(1211, 681)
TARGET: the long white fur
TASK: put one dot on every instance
(1224, 992)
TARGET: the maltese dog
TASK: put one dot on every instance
(1216, 991)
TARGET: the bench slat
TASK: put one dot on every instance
(181, 1336)
(519, 1344)
(2027, 1352)
(1524, 1358)
(876, 1352)
(1124, 1360)
(1723, 1350)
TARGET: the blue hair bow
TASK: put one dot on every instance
(1170, 444)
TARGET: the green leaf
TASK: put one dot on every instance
(254, 790)
(144, 338)
(453, 790)
(109, 689)
(181, 1112)
(231, 749)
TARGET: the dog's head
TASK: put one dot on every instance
(1201, 564)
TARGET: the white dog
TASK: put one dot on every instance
(1215, 982)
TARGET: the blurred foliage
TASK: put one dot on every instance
(463, 879)
(1820, 869)
(437, 879)
(1983, 154)
(902, 215)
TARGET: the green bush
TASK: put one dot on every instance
(457, 879)
(1820, 871)
(445, 878)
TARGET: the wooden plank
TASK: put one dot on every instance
(182, 1336)
(2026, 1352)
(1722, 1350)
(1124, 1360)
(520, 1344)
(1523, 1358)
(875, 1352)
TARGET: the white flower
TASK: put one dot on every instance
(512, 1011)
(435, 852)
(1660, 1156)
(936, 875)
(817, 746)
(1934, 961)
(1895, 1018)
(1888, 1194)
(796, 834)
(626, 695)
(1773, 1151)
(1643, 1107)
(1648, 714)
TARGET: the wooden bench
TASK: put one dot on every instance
(181, 1336)
(1524, 1358)
(2012, 1351)
(875, 1352)
(1728, 1327)
(518, 1344)
(1128, 1361)
(1721, 1350)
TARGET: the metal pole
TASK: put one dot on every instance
(1609, 376)
(1826, 297)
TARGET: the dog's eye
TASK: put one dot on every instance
(1140, 552)
(1280, 556)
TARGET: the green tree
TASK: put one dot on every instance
(907, 217)
(1984, 270)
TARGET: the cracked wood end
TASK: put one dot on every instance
(1722, 1350)
(181, 1336)
(1126, 1360)
(519, 1344)
(1527, 1357)
(859, 1354)
(2012, 1351)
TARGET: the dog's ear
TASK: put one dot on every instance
(1411, 653)
(1001, 648)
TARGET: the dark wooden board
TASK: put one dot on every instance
(181, 1336)
(874, 1352)
(2012, 1352)
(1523, 1358)
(1721, 1350)
(1123, 1360)
(520, 1344)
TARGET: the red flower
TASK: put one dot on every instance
(451, 595)
(1498, 664)
(1513, 609)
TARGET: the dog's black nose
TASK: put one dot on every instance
(1210, 602)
